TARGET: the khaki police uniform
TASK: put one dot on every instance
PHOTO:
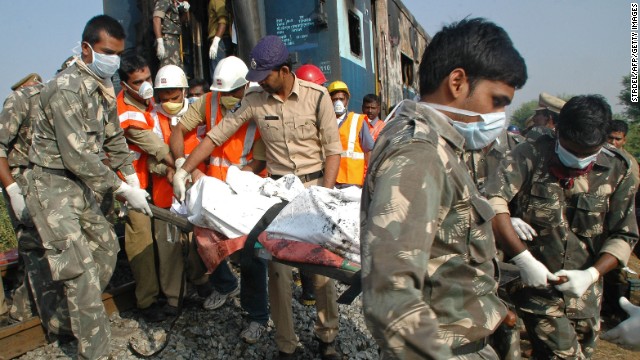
(297, 133)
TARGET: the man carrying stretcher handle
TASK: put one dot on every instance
(297, 124)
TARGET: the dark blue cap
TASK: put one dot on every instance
(269, 53)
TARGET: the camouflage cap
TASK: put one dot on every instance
(30, 77)
(550, 102)
(269, 53)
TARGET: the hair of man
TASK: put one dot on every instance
(585, 120)
(480, 47)
(130, 62)
(97, 24)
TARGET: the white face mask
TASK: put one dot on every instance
(339, 108)
(480, 134)
(568, 159)
(104, 66)
(145, 91)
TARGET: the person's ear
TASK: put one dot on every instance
(87, 54)
(458, 83)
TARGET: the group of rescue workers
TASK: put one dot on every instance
(444, 185)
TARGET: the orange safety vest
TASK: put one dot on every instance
(131, 116)
(162, 189)
(352, 157)
(237, 150)
(375, 129)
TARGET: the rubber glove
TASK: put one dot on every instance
(133, 180)
(160, 48)
(136, 198)
(627, 333)
(525, 231)
(532, 271)
(18, 204)
(578, 281)
(213, 50)
(179, 184)
(179, 162)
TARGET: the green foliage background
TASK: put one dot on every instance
(7, 236)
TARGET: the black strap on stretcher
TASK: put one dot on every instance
(248, 250)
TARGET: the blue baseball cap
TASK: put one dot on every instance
(269, 53)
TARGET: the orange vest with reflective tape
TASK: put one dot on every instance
(131, 116)
(375, 129)
(162, 189)
(237, 150)
(352, 157)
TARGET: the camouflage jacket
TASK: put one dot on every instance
(482, 163)
(574, 225)
(168, 11)
(426, 241)
(20, 107)
(80, 125)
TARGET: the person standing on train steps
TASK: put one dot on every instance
(355, 137)
(300, 133)
(79, 129)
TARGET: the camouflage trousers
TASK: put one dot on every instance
(38, 288)
(80, 248)
(487, 353)
(552, 333)
(171, 50)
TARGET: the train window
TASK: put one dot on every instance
(355, 37)
(407, 70)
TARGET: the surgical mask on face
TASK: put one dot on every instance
(172, 108)
(477, 135)
(104, 66)
(192, 99)
(229, 102)
(338, 107)
(145, 91)
(568, 159)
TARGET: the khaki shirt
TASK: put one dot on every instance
(145, 139)
(218, 14)
(296, 132)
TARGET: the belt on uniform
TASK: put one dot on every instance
(304, 178)
(59, 172)
(470, 348)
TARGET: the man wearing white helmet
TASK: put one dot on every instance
(229, 87)
(171, 87)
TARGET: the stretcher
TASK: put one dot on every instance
(347, 274)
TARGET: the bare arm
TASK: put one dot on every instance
(331, 166)
(199, 154)
(157, 27)
(506, 238)
(176, 140)
(5, 173)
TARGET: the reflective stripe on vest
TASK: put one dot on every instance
(352, 164)
(353, 136)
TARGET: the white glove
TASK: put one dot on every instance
(179, 162)
(160, 48)
(578, 281)
(185, 6)
(532, 271)
(179, 184)
(525, 231)
(133, 180)
(18, 204)
(213, 50)
(627, 333)
(136, 198)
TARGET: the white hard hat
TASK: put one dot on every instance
(229, 74)
(170, 77)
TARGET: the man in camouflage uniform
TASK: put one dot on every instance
(78, 129)
(167, 29)
(426, 242)
(20, 109)
(577, 193)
